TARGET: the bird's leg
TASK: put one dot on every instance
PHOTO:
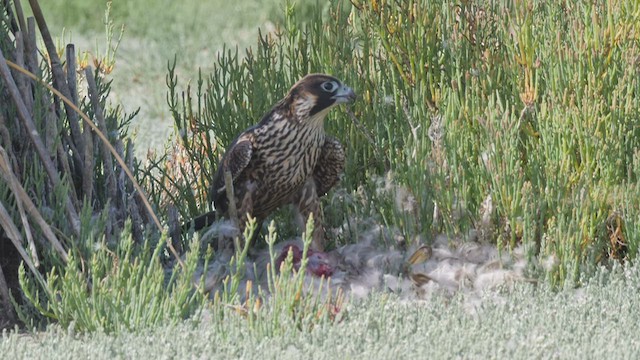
(233, 212)
(245, 209)
(307, 202)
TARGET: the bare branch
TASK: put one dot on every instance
(24, 116)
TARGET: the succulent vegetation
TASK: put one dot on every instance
(510, 123)
(490, 119)
(520, 324)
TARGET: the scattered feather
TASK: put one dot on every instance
(445, 267)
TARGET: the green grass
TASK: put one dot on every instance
(598, 320)
(155, 32)
(129, 289)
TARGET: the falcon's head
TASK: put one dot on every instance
(315, 94)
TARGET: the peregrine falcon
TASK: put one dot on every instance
(284, 159)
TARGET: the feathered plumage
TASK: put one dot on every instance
(286, 158)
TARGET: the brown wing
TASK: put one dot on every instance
(235, 160)
(330, 165)
(238, 156)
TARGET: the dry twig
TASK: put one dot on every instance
(25, 117)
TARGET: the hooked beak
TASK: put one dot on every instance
(344, 95)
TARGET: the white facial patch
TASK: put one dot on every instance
(303, 105)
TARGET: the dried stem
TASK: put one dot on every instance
(58, 75)
(14, 185)
(20, 15)
(24, 116)
(89, 162)
(21, 81)
(31, 47)
(12, 232)
(23, 198)
(107, 160)
(103, 139)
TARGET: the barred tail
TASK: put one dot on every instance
(194, 224)
(200, 221)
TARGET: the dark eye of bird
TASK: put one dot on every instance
(328, 86)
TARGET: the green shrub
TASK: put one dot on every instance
(485, 114)
(125, 288)
(482, 112)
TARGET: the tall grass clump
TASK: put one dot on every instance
(496, 126)
(125, 289)
(71, 210)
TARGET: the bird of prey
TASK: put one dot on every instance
(284, 159)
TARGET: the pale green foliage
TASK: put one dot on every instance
(290, 298)
(466, 104)
(597, 321)
(494, 103)
(532, 105)
(293, 302)
(126, 288)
